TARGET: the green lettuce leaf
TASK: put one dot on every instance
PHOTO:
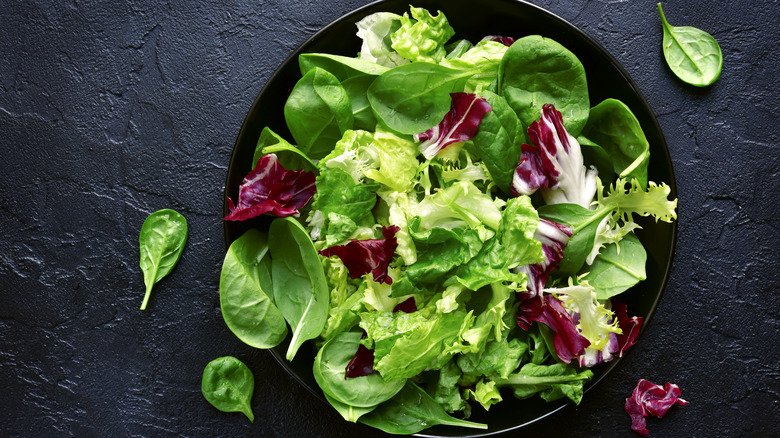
(422, 37)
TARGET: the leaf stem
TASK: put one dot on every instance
(146, 296)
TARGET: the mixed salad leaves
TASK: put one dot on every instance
(453, 224)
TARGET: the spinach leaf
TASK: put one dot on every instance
(499, 141)
(550, 381)
(692, 54)
(349, 413)
(536, 71)
(595, 155)
(410, 411)
(318, 112)
(271, 142)
(614, 127)
(330, 367)
(161, 242)
(414, 97)
(357, 90)
(228, 385)
(342, 67)
(244, 286)
(618, 267)
(300, 288)
(585, 224)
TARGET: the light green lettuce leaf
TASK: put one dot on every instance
(422, 37)
(375, 30)
(483, 59)
(461, 204)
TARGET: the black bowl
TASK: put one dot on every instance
(606, 79)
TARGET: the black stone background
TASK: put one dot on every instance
(112, 110)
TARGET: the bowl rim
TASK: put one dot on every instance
(661, 147)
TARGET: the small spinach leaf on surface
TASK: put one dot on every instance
(692, 54)
(414, 97)
(228, 385)
(330, 370)
(161, 242)
(244, 286)
(614, 128)
(618, 267)
(300, 287)
(410, 411)
(536, 71)
(318, 112)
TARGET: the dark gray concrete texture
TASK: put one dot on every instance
(112, 110)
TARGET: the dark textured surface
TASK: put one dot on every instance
(109, 111)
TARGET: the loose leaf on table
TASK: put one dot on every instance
(300, 287)
(318, 112)
(692, 54)
(244, 292)
(536, 71)
(228, 385)
(414, 97)
(161, 242)
(618, 267)
(614, 127)
(410, 411)
(650, 399)
(330, 373)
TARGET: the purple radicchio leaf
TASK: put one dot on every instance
(555, 164)
(650, 399)
(629, 326)
(364, 256)
(461, 123)
(269, 188)
(548, 310)
(362, 364)
(554, 237)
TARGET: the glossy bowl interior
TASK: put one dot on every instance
(606, 79)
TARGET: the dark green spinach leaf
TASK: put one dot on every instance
(499, 141)
(291, 157)
(318, 112)
(585, 224)
(244, 290)
(536, 71)
(161, 242)
(300, 287)
(228, 385)
(614, 127)
(330, 367)
(616, 269)
(414, 97)
(410, 411)
(692, 54)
